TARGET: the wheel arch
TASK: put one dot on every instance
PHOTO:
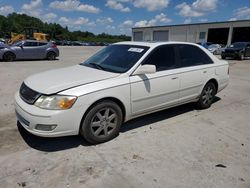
(50, 51)
(9, 52)
(113, 99)
(215, 82)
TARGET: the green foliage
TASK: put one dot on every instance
(17, 22)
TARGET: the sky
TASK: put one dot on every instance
(119, 16)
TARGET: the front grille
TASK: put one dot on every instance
(28, 95)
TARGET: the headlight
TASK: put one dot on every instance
(55, 102)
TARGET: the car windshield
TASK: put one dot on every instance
(214, 46)
(238, 45)
(116, 58)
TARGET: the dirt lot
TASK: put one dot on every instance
(180, 147)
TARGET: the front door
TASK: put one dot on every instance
(156, 91)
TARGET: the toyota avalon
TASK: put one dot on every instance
(122, 81)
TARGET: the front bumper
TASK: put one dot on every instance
(230, 54)
(67, 121)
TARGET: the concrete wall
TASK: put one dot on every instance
(191, 32)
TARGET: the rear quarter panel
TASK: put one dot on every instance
(221, 72)
(218, 71)
(50, 49)
(42, 52)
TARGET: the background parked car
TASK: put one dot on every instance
(29, 49)
(205, 44)
(216, 49)
(237, 50)
(2, 41)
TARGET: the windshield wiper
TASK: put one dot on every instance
(97, 65)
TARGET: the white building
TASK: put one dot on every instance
(215, 32)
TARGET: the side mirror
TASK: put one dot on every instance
(145, 69)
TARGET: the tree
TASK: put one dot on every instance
(17, 22)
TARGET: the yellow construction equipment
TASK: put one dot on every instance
(29, 33)
(16, 37)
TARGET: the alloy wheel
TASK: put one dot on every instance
(208, 95)
(104, 122)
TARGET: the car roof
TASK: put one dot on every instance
(34, 41)
(153, 43)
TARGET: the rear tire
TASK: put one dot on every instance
(207, 96)
(9, 56)
(102, 122)
(51, 56)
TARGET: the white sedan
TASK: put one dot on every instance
(119, 83)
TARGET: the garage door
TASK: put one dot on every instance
(160, 36)
(218, 35)
(241, 34)
(138, 36)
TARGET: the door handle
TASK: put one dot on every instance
(174, 78)
(204, 71)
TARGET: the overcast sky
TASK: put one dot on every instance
(119, 16)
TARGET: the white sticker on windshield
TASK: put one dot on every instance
(138, 50)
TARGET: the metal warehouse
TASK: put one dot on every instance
(215, 32)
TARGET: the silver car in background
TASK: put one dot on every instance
(29, 49)
(216, 49)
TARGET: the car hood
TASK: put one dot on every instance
(233, 49)
(54, 81)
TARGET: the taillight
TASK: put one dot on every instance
(53, 45)
(228, 70)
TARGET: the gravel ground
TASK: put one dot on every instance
(179, 147)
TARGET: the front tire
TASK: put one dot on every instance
(8, 56)
(102, 122)
(241, 56)
(207, 96)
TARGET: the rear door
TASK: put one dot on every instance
(151, 92)
(196, 68)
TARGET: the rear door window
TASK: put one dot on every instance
(191, 55)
